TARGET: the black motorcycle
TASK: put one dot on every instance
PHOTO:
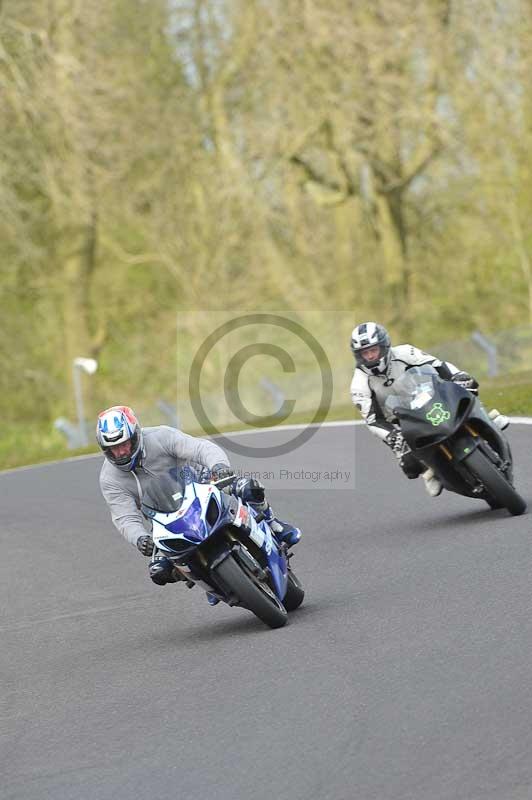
(448, 429)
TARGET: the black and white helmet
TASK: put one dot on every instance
(365, 340)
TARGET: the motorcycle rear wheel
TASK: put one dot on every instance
(294, 593)
(258, 599)
(501, 492)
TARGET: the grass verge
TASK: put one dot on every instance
(34, 443)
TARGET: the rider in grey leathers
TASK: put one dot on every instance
(134, 455)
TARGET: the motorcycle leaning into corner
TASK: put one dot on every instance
(448, 429)
(216, 541)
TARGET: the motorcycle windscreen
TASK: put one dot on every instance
(413, 390)
(163, 494)
(429, 409)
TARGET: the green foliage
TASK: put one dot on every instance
(512, 398)
(164, 157)
(33, 443)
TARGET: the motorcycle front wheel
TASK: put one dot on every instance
(501, 492)
(253, 594)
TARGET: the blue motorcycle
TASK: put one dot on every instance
(216, 541)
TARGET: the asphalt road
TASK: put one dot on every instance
(406, 675)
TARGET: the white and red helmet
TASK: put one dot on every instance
(371, 338)
(115, 426)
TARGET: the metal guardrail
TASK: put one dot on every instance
(497, 354)
(492, 354)
(490, 348)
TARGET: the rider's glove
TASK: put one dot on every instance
(145, 545)
(222, 471)
(396, 441)
(466, 381)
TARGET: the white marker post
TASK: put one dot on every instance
(89, 366)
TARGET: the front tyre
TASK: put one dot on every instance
(500, 491)
(256, 597)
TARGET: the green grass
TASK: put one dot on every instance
(33, 443)
(22, 444)
(512, 397)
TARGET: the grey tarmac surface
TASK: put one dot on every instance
(406, 675)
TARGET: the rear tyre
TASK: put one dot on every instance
(254, 595)
(502, 493)
(294, 593)
(494, 504)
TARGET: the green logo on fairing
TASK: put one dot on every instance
(437, 414)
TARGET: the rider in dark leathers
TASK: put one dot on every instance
(378, 366)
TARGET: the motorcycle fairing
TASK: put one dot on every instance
(190, 524)
(260, 533)
(437, 420)
(184, 531)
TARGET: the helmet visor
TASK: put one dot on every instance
(121, 454)
(370, 356)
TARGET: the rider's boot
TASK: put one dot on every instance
(251, 491)
(283, 531)
(498, 419)
(432, 484)
(212, 599)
